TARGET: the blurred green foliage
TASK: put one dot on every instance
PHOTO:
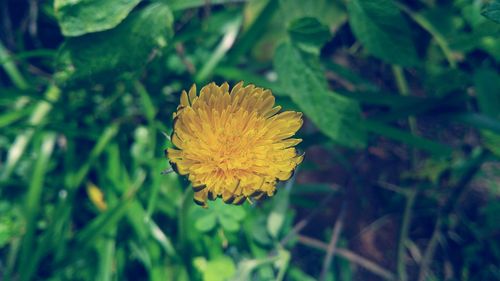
(401, 178)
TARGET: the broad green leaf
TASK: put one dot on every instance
(259, 233)
(380, 27)
(487, 84)
(102, 56)
(296, 274)
(328, 12)
(302, 79)
(236, 213)
(309, 34)
(206, 222)
(221, 268)
(492, 11)
(78, 17)
(382, 129)
(277, 216)
(229, 224)
(178, 5)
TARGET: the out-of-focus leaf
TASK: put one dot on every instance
(103, 56)
(302, 78)
(380, 27)
(433, 147)
(254, 31)
(229, 224)
(259, 233)
(206, 222)
(492, 11)
(309, 34)
(10, 224)
(218, 269)
(236, 213)
(78, 17)
(178, 5)
(296, 274)
(328, 12)
(457, 81)
(277, 216)
(487, 84)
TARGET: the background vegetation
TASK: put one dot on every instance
(401, 178)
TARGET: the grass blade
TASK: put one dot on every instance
(33, 203)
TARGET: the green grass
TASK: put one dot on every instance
(401, 141)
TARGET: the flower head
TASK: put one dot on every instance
(233, 143)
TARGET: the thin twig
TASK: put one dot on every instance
(404, 90)
(350, 256)
(179, 48)
(327, 261)
(429, 251)
(403, 235)
(447, 208)
(33, 18)
(305, 221)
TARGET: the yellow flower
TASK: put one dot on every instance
(233, 144)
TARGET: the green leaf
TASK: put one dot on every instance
(492, 11)
(433, 147)
(235, 212)
(309, 34)
(229, 223)
(179, 5)
(487, 84)
(102, 56)
(10, 223)
(330, 13)
(78, 17)
(277, 216)
(34, 203)
(206, 222)
(380, 27)
(218, 269)
(302, 79)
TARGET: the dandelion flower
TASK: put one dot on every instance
(233, 144)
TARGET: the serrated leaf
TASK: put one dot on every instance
(309, 34)
(380, 27)
(104, 56)
(302, 79)
(78, 17)
(492, 11)
(330, 13)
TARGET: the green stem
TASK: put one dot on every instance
(284, 265)
(403, 235)
(11, 69)
(187, 201)
(18, 147)
(33, 205)
(404, 90)
(440, 39)
(221, 50)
